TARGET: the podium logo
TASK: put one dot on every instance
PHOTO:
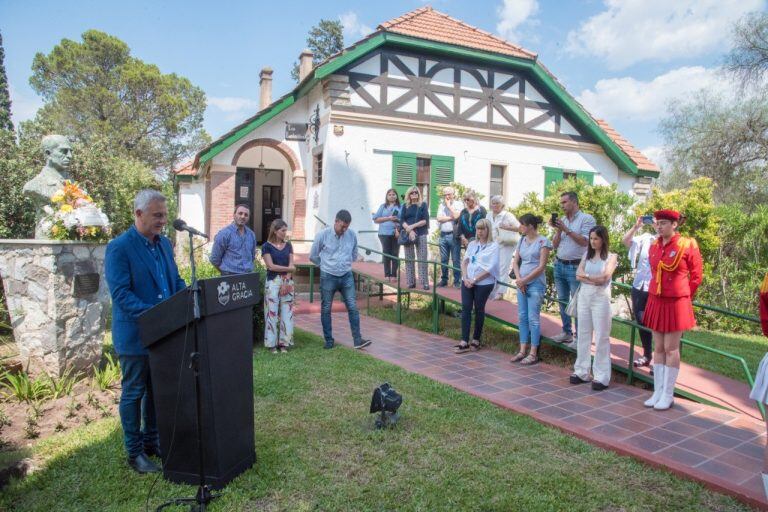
(223, 290)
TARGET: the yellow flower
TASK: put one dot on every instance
(66, 208)
(54, 230)
(57, 197)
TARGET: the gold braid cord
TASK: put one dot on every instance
(682, 246)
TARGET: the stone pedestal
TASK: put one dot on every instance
(58, 302)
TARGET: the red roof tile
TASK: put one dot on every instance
(185, 169)
(427, 23)
(642, 161)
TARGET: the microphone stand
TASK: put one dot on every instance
(204, 495)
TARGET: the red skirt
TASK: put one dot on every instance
(669, 314)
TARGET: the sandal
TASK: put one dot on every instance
(475, 345)
(642, 361)
(462, 347)
(517, 357)
(530, 360)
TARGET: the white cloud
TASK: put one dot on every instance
(631, 31)
(23, 106)
(629, 99)
(234, 108)
(353, 27)
(512, 14)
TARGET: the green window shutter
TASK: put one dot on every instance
(403, 172)
(441, 174)
(589, 177)
(551, 175)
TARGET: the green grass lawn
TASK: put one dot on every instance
(317, 450)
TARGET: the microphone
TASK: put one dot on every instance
(180, 225)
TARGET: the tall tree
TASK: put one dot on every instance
(722, 138)
(96, 89)
(5, 98)
(324, 39)
(748, 59)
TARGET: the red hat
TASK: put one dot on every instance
(670, 215)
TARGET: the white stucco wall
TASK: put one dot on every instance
(358, 167)
(192, 203)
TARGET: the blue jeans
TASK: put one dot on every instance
(474, 298)
(329, 285)
(450, 248)
(529, 312)
(566, 284)
(136, 406)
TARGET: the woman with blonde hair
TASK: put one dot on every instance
(278, 288)
(506, 233)
(414, 221)
(479, 269)
(469, 217)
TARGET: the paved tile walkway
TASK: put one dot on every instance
(721, 449)
(712, 386)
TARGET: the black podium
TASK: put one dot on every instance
(225, 347)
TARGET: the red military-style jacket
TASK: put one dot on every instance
(676, 268)
(764, 305)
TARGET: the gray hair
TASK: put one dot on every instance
(470, 194)
(497, 200)
(449, 190)
(145, 197)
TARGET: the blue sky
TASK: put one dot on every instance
(623, 59)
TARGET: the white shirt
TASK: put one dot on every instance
(504, 217)
(447, 227)
(483, 258)
(638, 259)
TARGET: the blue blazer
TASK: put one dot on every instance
(129, 270)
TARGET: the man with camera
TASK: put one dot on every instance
(570, 243)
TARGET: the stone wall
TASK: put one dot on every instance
(58, 320)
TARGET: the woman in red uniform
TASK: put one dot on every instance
(676, 271)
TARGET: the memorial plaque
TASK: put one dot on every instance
(85, 284)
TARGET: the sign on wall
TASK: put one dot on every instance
(296, 131)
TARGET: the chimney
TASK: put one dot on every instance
(305, 64)
(265, 88)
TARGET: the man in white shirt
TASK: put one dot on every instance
(450, 247)
(638, 246)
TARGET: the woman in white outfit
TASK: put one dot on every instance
(506, 233)
(594, 311)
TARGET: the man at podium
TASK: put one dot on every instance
(140, 272)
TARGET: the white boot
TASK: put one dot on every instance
(668, 397)
(658, 385)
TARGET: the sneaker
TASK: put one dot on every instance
(426, 287)
(283, 349)
(273, 350)
(563, 337)
(363, 344)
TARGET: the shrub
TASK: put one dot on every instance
(107, 375)
(26, 389)
(62, 386)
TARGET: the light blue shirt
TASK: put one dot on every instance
(388, 227)
(233, 252)
(530, 256)
(580, 224)
(332, 253)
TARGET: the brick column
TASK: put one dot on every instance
(299, 204)
(222, 196)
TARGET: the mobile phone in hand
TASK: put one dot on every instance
(647, 219)
(553, 219)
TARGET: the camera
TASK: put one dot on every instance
(553, 219)
(647, 219)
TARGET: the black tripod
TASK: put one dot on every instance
(204, 495)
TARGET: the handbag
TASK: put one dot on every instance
(507, 237)
(572, 308)
(404, 239)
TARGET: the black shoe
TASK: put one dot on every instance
(363, 344)
(411, 286)
(442, 284)
(426, 287)
(142, 464)
(575, 379)
(457, 285)
(153, 451)
(328, 344)
(598, 386)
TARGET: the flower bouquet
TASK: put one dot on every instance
(72, 215)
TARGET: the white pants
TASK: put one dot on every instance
(505, 265)
(278, 314)
(594, 316)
